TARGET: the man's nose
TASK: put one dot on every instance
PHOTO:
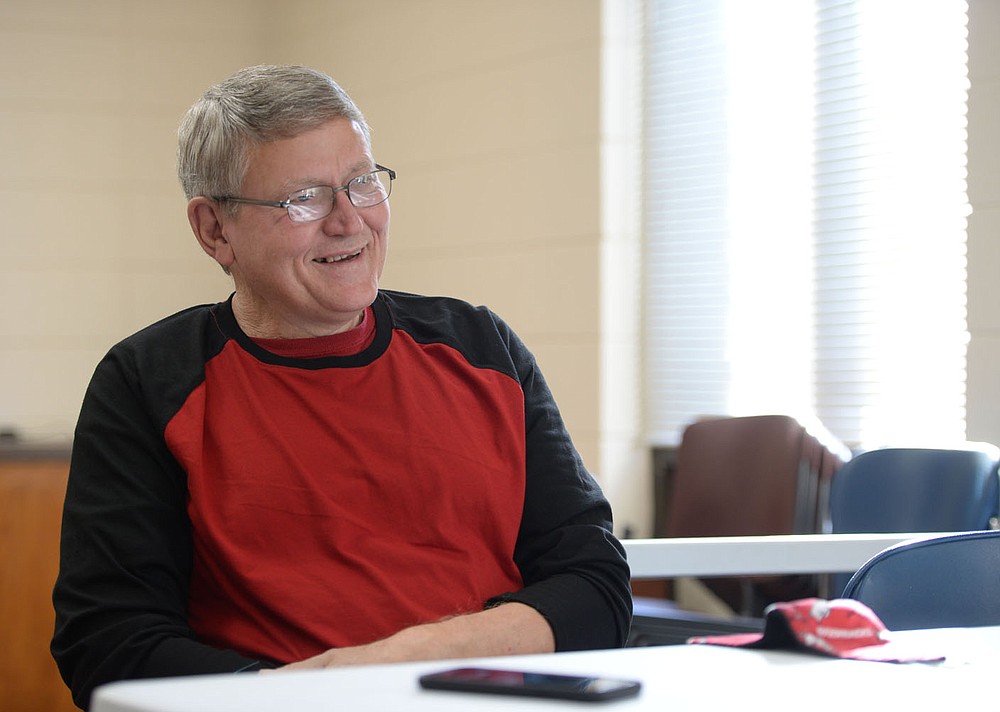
(344, 219)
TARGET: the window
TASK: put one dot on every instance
(805, 215)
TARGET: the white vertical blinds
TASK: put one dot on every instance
(805, 214)
(686, 162)
(891, 89)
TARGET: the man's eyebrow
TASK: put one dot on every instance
(365, 165)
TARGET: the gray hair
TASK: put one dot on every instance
(254, 106)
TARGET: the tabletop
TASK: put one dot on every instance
(674, 678)
(757, 555)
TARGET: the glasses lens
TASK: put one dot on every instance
(310, 204)
(370, 189)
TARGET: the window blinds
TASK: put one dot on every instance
(805, 215)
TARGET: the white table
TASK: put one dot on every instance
(675, 679)
(753, 555)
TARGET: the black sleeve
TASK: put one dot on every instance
(574, 569)
(126, 550)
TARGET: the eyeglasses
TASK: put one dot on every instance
(316, 203)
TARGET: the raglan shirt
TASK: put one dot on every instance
(231, 508)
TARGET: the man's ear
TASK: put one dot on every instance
(206, 218)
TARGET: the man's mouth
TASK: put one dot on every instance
(338, 258)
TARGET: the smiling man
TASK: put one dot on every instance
(316, 471)
(311, 266)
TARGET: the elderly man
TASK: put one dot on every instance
(317, 472)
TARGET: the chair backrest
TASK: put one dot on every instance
(751, 475)
(944, 582)
(745, 476)
(917, 490)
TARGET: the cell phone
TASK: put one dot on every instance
(531, 684)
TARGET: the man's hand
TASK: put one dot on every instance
(509, 629)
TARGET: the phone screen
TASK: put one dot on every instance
(518, 682)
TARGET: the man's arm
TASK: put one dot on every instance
(574, 569)
(508, 629)
(121, 595)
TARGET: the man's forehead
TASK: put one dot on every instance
(352, 158)
(335, 180)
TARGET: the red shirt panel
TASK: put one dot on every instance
(329, 504)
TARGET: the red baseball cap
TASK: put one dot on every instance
(841, 628)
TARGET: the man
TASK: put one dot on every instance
(318, 472)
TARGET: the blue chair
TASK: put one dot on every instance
(916, 490)
(945, 582)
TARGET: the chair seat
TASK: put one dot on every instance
(660, 622)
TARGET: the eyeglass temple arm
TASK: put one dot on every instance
(251, 201)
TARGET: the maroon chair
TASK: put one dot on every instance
(755, 475)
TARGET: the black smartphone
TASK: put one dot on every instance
(531, 684)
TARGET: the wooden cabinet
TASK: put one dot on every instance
(31, 499)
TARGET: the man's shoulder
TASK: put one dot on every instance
(475, 331)
(427, 317)
(419, 303)
(181, 322)
(182, 335)
(163, 362)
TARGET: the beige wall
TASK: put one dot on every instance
(499, 117)
(95, 243)
(489, 111)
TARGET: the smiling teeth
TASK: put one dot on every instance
(339, 259)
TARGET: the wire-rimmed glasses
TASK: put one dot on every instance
(316, 202)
